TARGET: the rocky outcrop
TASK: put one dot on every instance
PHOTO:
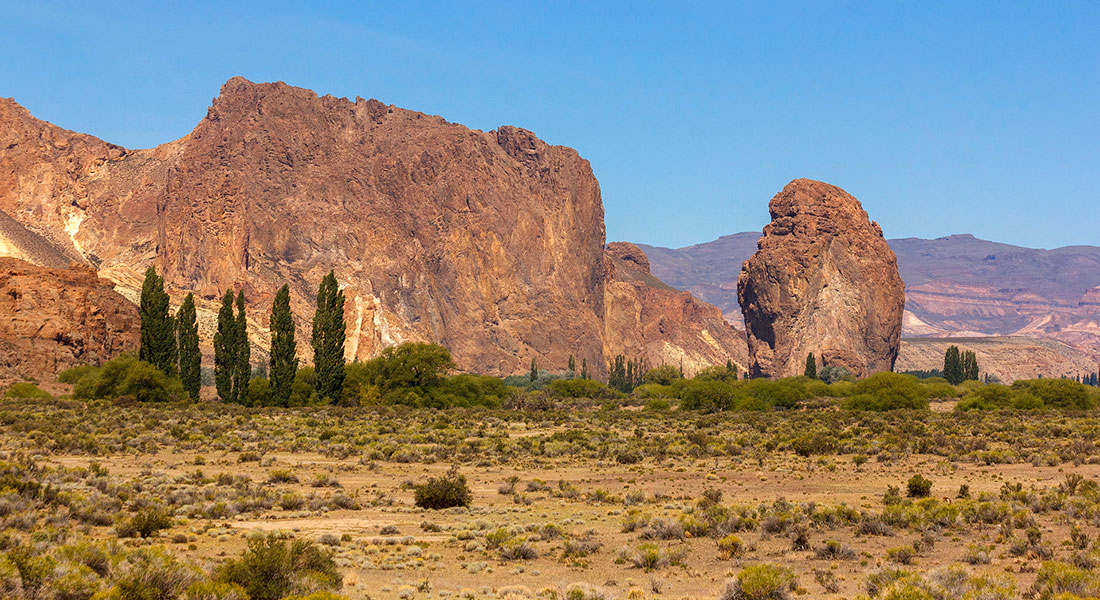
(645, 318)
(822, 280)
(491, 243)
(52, 319)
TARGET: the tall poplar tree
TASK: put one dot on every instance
(952, 366)
(243, 372)
(284, 361)
(225, 349)
(187, 338)
(811, 366)
(158, 333)
(328, 338)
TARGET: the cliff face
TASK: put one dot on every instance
(491, 243)
(823, 280)
(52, 319)
(646, 318)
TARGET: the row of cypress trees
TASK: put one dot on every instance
(172, 343)
(959, 366)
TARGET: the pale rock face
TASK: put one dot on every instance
(823, 280)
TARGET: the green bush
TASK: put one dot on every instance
(709, 396)
(581, 388)
(717, 373)
(1055, 579)
(762, 582)
(662, 375)
(443, 492)
(833, 374)
(887, 391)
(918, 486)
(467, 390)
(145, 523)
(73, 374)
(1031, 394)
(125, 375)
(27, 391)
(271, 569)
(259, 392)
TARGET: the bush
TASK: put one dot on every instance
(271, 569)
(259, 392)
(709, 396)
(125, 375)
(74, 374)
(1055, 579)
(443, 492)
(814, 443)
(145, 523)
(717, 373)
(833, 374)
(887, 391)
(26, 391)
(761, 582)
(662, 375)
(730, 547)
(918, 486)
(580, 388)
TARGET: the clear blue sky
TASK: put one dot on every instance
(942, 118)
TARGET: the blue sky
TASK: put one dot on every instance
(941, 118)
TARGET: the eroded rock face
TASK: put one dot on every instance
(823, 280)
(490, 243)
(644, 318)
(52, 319)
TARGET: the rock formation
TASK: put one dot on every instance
(643, 317)
(52, 319)
(491, 243)
(823, 280)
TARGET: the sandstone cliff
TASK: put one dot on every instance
(491, 243)
(646, 318)
(52, 319)
(823, 280)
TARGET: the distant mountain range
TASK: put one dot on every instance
(956, 286)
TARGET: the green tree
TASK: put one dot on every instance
(284, 361)
(584, 368)
(328, 338)
(158, 332)
(572, 365)
(533, 374)
(952, 366)
(811, 366)
(970, 365)
(187, 338)
(243, 371)
(225, 349)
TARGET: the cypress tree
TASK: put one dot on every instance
(533, 374)
(187, 337)
(584, 368)
(284, 361)
(328, 338)
(969, 365)
(572, 364)
(225, 349)
(952, 366)
(243, 372)
(811, 366)
(158, 333)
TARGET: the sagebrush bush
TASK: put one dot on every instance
(271, 569)
(761, 582)
(26, 391)
(447, 491)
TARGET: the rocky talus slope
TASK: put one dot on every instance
(822, 280)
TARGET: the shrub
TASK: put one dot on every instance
(75, 374)
(833, 374)
(709, 396)
(662, 375)
(730, 547)
(717, 373)
(812, 443)
(125, 375)
(271, 569)
(761, 582)
(27, 391)
(443, 492)
(902, 555)
(834, 550)
(259, 392)
(580, 388)
(1055, 579)
(887, 391)
(151, 574)
(145, 523)
(918, 486)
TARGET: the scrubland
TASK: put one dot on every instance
(578, 499)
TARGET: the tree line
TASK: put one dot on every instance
(171, 342)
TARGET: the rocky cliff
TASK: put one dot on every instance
(644, 317)
(52, 319)
(491, 243)
(822, 280)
